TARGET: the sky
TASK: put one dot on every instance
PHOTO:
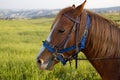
(55, 4)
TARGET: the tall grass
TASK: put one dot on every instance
(20, 41)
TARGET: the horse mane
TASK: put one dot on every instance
(104, 37)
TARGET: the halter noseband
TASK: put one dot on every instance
(58, 54)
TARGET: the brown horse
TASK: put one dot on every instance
(75, 30)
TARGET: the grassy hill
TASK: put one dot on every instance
(20, 41)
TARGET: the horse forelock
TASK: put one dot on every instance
(104, 37)
(65, 10)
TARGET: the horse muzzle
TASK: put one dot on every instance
(45, 65)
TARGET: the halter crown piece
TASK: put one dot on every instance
(58, 53)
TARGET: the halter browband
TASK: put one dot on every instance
(58, 54)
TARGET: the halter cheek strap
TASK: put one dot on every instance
(83, 40)
(58, 53)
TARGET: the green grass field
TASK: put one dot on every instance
(20, 41)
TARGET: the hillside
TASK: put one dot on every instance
(30, 14)
(26, 14)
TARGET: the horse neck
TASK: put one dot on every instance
(103, 41)
(103, 38)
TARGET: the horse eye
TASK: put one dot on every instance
(61, 30)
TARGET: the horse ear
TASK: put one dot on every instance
(73, 6)
(79, 9)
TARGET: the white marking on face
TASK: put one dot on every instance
(40, 52)
(48, 39)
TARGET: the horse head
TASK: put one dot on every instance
(61, 42)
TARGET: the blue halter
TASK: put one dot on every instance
(58, 54)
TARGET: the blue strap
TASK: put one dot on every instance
(61, 59)
(88, 22)
(52, 50)
(67, 49)
(83, 40)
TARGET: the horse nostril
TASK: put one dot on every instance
(39, 61)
